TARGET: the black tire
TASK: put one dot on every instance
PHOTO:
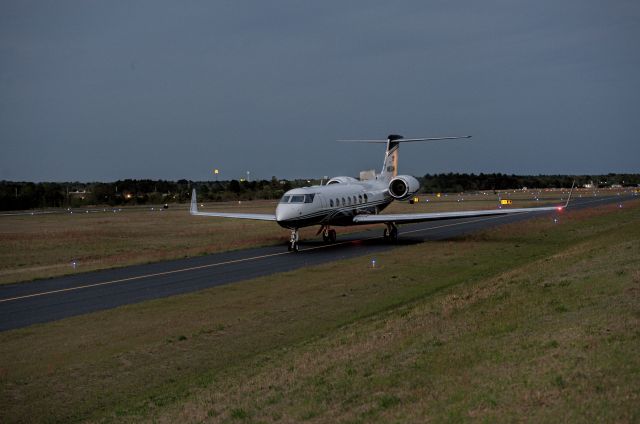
(332, 236)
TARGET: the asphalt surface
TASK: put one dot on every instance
(42, 301)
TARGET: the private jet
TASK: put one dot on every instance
(344, 201)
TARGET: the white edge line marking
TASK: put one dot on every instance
(140, 277)
(175, 271)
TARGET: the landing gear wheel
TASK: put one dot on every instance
(390, 233)
(329, 235)
(393, 235)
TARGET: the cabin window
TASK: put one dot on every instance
(359, 198)
(354, 200)
(344, 202)
(366, 198)
(331, 202)
(308, 198)
(297, 198)
(285, 199)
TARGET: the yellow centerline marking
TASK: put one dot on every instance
(159, 274)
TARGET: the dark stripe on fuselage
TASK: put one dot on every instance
(339, 217)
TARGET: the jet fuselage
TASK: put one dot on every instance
(333, 204)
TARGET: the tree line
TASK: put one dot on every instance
(29, 195)
(453, 182)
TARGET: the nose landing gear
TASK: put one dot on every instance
(293, 241)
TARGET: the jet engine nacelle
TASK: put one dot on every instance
(342, 180)
(403, 186)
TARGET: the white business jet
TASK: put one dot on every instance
(348, 201)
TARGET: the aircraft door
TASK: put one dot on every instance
(323, 203)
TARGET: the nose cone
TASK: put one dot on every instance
(284, 213)
(287, 215)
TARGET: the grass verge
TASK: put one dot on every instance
(535, 321)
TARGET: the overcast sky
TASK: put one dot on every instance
(104, 90)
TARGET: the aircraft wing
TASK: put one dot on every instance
(405, 218)
(255, 216)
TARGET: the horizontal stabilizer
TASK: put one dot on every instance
(406, 140)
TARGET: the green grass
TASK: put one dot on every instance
(535, 321)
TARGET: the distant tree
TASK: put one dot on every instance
(234, 186)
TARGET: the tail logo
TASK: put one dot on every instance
(392, 162)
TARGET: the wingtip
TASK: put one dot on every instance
(194, 203)
(570, 193)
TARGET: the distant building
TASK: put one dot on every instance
(78, 194)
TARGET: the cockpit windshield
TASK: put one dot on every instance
(298, 198)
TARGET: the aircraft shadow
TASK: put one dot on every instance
(316, 245)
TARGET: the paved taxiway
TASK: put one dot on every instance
(49, 300)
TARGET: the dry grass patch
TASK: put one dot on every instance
(43, 246)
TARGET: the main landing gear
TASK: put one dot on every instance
(390, 233)
(329, 235)
(293, 241)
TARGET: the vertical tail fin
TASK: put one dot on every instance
(390, 166)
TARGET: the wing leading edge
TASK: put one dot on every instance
(255, 216)
(434, 216)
